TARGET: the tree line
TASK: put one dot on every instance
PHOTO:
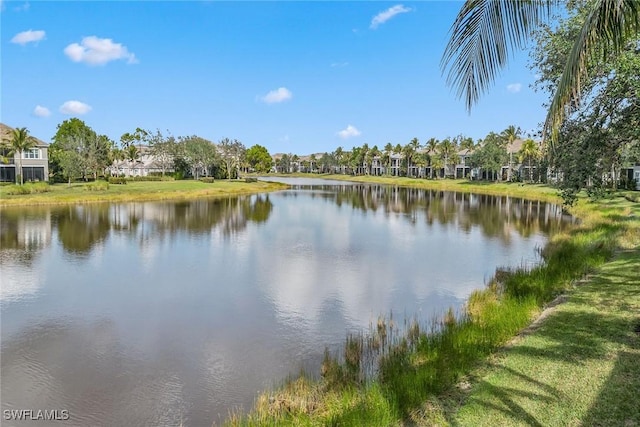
(78, 152)
(489, 154)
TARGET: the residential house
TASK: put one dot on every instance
(144, 165)
(35, 161)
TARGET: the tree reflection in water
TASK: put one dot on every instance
(81, 228)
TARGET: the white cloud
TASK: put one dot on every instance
(96, 51)
(29, 36)
(41, 111)
(279, 95)
(514, 87)
(384, 16)
(339, 64)
(349, 132)
(75, 107)
(24, 8)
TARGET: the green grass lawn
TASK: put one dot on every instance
(580, 367)
(136, 191)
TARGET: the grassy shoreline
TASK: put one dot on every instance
(137, 191)
(425, 378)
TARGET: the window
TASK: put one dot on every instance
(32, 173)
(33, 153)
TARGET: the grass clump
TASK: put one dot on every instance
(117, 180)
(29, 188)
(97, 186)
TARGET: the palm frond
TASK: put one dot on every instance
(610, 24)
(483, 35)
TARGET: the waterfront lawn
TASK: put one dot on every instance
(134, 191)
(580, 367)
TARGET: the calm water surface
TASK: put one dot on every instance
(161, 313)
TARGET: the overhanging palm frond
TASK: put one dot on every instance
(611, 23)
(483, 36)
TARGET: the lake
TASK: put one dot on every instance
(163, 313)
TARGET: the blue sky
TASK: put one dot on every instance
(296, 77)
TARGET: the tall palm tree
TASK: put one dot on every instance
(339, 154)
(432, 146)
(19, 142)
(132, 154)
(386, 161)
(485, 32)
(373, 154)
(448, 152)
(509, 135)
(529, 151)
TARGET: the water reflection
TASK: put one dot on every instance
(497, 216)
(161, 313)
(81, 228)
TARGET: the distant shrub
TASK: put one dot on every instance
(178, 175)
(117, 180)
(97, 186)
(30, 188)
(207, 179)
(146, 178)
(251, 180)
(15, 190)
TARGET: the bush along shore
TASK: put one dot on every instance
(413, 374)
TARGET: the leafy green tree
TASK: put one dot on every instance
(609, 113)
(199, 154)
(19, 141)
(295, 162)
(326, 162)
(491, 155)
(163, 149)
(70, 159)
(259, 158)
(486, 31)
(93, 150)
(231, 153)
(284, 164)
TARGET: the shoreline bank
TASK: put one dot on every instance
(138, 191)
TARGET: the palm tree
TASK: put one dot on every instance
(339, 154)
(374, 153)
(386, 161)
(432, 146)
(19, 142)
(447, 151)
(132, 154)
(397, 150)
(529, 151)
(486, 31)
(509, 135)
